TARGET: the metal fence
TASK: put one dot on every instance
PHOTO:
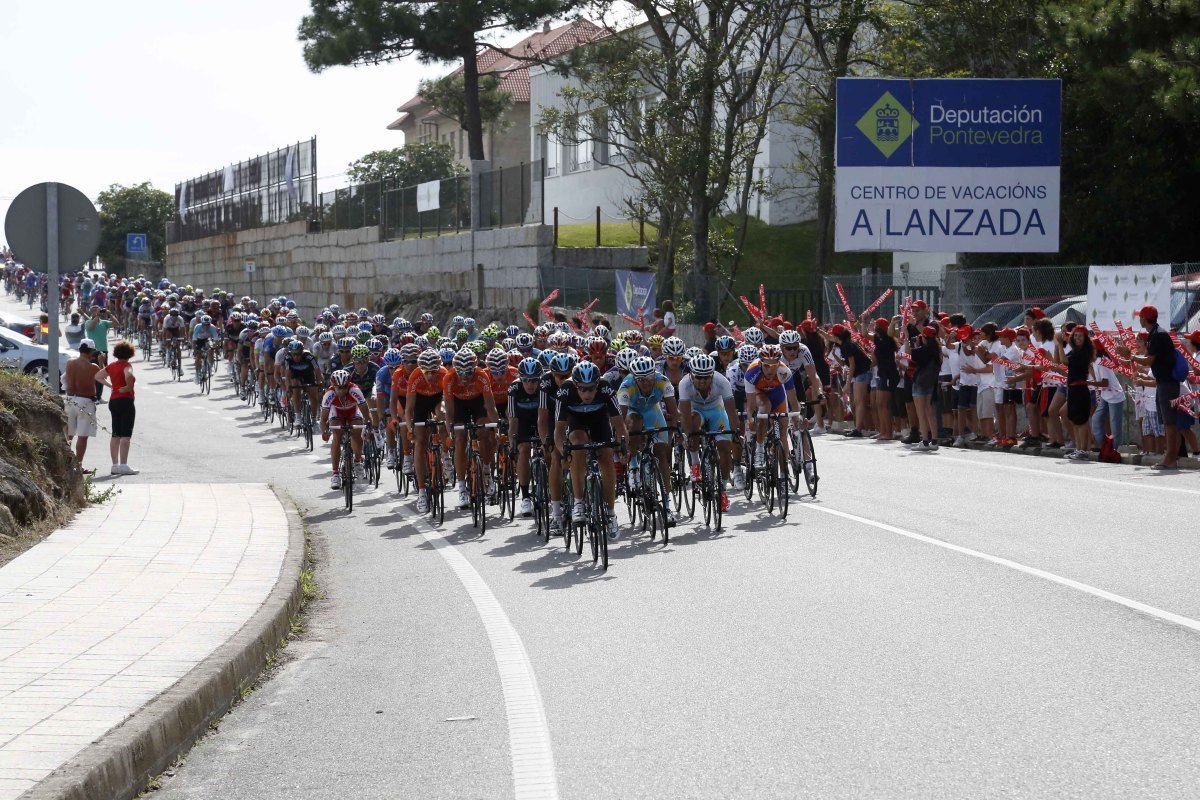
(508, 196)
(1001, 295)
(578, 286)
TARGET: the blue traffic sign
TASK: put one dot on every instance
(135, 243)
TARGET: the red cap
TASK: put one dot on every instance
(709, 327)
(787, 326)
(1022, 331)
(1194, 337)
(1036, 312)
(964, 332)
(1007, 333)
(920, 304)
(944, 322)
(808, 326)
(838, 329)
(882, 324)
(929, 330)
(1148, 313)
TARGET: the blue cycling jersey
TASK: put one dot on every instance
(631, 397)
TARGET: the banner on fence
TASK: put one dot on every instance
(429, 196)
(948, 165)
(1115, 293)
(635, 294)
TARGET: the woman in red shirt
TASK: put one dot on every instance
(120, 405)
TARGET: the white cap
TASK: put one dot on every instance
(88, 343)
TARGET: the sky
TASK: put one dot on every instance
(127, 91)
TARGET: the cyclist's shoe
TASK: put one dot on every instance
(336, 483)
(760, 455)
(359, 471)
(808, 470)
(422, 502)
(390, 461)
(464, 496)
(578, 512)
(724, 503)
(555, 526)
(492, 493)
(695, 473)
(614, 525)
(526, 507)
(739, 480)
(672, 516)
(408, 465)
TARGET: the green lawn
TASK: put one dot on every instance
(612, 234)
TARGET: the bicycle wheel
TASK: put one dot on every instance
(596, 526)
(541, 502)
(437, 500)
(632, 500)
(785, 485)
(348, 473)
(689, 493)
(770, 474)
(661, 509)
(748, 470)
(648, 492)
(479, 495)
(706, 484)
(794, 460)
(679, 474)
(809, 464)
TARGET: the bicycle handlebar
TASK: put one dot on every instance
(589, 446)
(471, 426)
(774, 415)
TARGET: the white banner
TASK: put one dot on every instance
(948, 209)
(1115, 293)
(429, 196)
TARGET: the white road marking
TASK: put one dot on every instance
(945, 453)
(533, 773)
(1143, 608)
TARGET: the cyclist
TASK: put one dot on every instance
(346, 403)
(523, 403)
(643, 396)
(401, 374)
(770, 389)
(424, 399)
(467, 393)
(303, 375)
(173, 327)
(560, 367)
(706, 403)
(586, 414)
(383, 402)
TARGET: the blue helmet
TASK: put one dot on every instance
(404, 326)
(529, 368)
(469, 322)
(585, 372)
(562, 363)
(290, 304)
(447, 355)
(545, 357)
(421, 342)
(391, 358)
(458, 320)
(511, 331)
(375, 345)
(280, 331)
(366, 327)
(725, 343)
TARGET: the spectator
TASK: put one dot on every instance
(120, 406)
(43, 329)
(74, 331)
(1077, 354)
(1110, 409)
(96, 329)
(1160, 358)
(668, 319)
(1008, 393)
(860, 371)
(79, 380)
(887, 376)
(926, 351)
(1145, 403)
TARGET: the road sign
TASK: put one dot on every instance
(135, 244)
(249, 264)
(47, 225)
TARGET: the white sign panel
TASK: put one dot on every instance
(429, 196)
(249, 265)
(1115, 293)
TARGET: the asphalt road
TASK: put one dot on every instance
(933, 625)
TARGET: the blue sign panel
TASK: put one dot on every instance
(948, 164)
(135, 243)
(635, 294)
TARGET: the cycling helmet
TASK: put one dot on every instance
(404, 325)
(174, 312)
(433, 332)
(754, 336)
(206, 320)
(546, 358)
(770, 354)
(444, 342)
(358, 352)
(469, 322)
(624, 358)
(340, 378)
(366, 326)
(465, 362)
(561, 363)
(497, 360)
(529, 368)
(407, 338)
(724, 343)
(585, 373)
(346, 343)
(508, 343)
(603, 332)
(541, 330)
(559, 339)
(597, 346)
(458, 320)
(338, 331)
(461, 334)
(363, 337)
(655, 341)
(290, 304)
(429, 361)
(293, 314)
(325, 337)
(789, 338)
(392, 357)
(295, 346)
(279, 331)
(409, 353)
(426, 318)
(703, 366)
(512, 331)
(691, 353)
(376, 345)
(421, 342)
(447, 354)
(673, 347)
(379, 319)
(633, 337)
(618, 345)
(642, 367)
(303, 332)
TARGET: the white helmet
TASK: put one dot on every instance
(754, 336)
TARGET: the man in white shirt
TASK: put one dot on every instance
(1008, 391)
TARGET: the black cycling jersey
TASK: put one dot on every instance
(304, 370)
(364, 378)
(522, 404)
(571, 404)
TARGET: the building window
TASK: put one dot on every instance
(550, 154)
(579, 147)
(600, 143)
(429, 132)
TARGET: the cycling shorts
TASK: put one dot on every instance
(715, 419)
(653, 418)
(777, 398)
(527, 430)
(595, 425)
(426, 405)
(469, 410)
(345, 416)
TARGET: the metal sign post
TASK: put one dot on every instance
(250, 266)
(52, 281)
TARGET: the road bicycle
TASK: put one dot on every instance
(347, 461)
(803, 458)
(175, 358)
(681, 479)
(434, 477)
(506, 475)
(774, 483)
(708, 488)
(595, 517)
(647, 491)
(145, 343)
(539, 488)
(306, 423)
(372, 456)
(477, 473)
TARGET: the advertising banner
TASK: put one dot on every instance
(429, 196)
(1115, 293)
(635, 294)
(948, 165)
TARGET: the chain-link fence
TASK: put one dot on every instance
(1002, 295)
(578, 286)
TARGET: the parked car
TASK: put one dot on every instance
(26, 328)
(18, 352)
(1011, 313)
(1185, 306)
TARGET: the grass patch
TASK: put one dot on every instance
(612, 234)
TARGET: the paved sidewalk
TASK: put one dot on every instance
(111, 611)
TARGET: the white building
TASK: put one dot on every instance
(580, 177)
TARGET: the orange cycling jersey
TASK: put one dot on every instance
(500, 383)
(468, 389)
(400, 376)
(428, 385)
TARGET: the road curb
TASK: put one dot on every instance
(119, 766)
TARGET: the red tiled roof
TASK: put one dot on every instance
(512, 69)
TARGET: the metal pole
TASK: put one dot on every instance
(500, 197)
(52, 280)
(597, 226)
(522, 175)
(1021, 271)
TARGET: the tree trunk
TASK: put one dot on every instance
(826, 136)
(473, 122)
(667, 235)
